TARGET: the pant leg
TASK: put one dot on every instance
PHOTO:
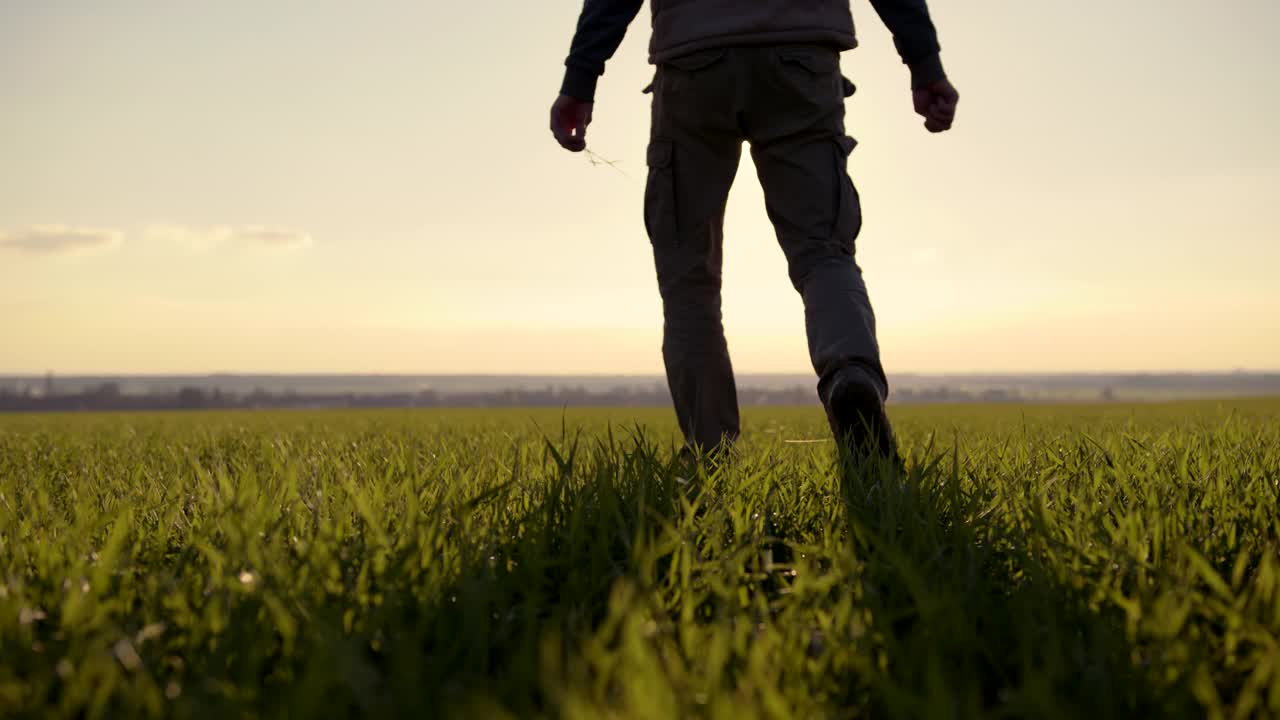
(693, 156)
(795, 123)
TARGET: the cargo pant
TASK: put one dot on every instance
(788, 103)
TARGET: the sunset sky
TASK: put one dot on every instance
(371, 187)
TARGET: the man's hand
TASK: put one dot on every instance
(936, 102)
(569, 120)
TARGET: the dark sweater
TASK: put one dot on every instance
(688, 25)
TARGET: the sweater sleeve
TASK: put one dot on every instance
(601, 27)
(915, 37)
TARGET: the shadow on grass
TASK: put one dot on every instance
(966, 615)
(533, 580)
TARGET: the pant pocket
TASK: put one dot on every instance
(695, 61)
(660, 194)
(812, 72)
(847, 222)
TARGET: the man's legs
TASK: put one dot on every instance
(795, 122)
(693, 157)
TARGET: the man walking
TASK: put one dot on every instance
(766, 72)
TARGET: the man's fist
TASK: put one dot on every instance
(569, 120)
(936, 103)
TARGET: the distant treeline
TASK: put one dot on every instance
(230, 391)
(108, 396)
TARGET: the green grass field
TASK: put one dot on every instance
(1073, 561)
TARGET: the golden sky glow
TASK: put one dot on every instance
(328, 186)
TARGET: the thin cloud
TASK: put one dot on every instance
(59, 240)
(271, 237)
(206, 238)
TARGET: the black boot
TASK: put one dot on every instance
(856, 413)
